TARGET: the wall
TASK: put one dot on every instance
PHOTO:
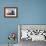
(29, 12)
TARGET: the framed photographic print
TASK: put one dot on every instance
(11, 12)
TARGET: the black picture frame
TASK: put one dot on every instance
(13, 12)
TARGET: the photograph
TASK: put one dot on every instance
(10, 11)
